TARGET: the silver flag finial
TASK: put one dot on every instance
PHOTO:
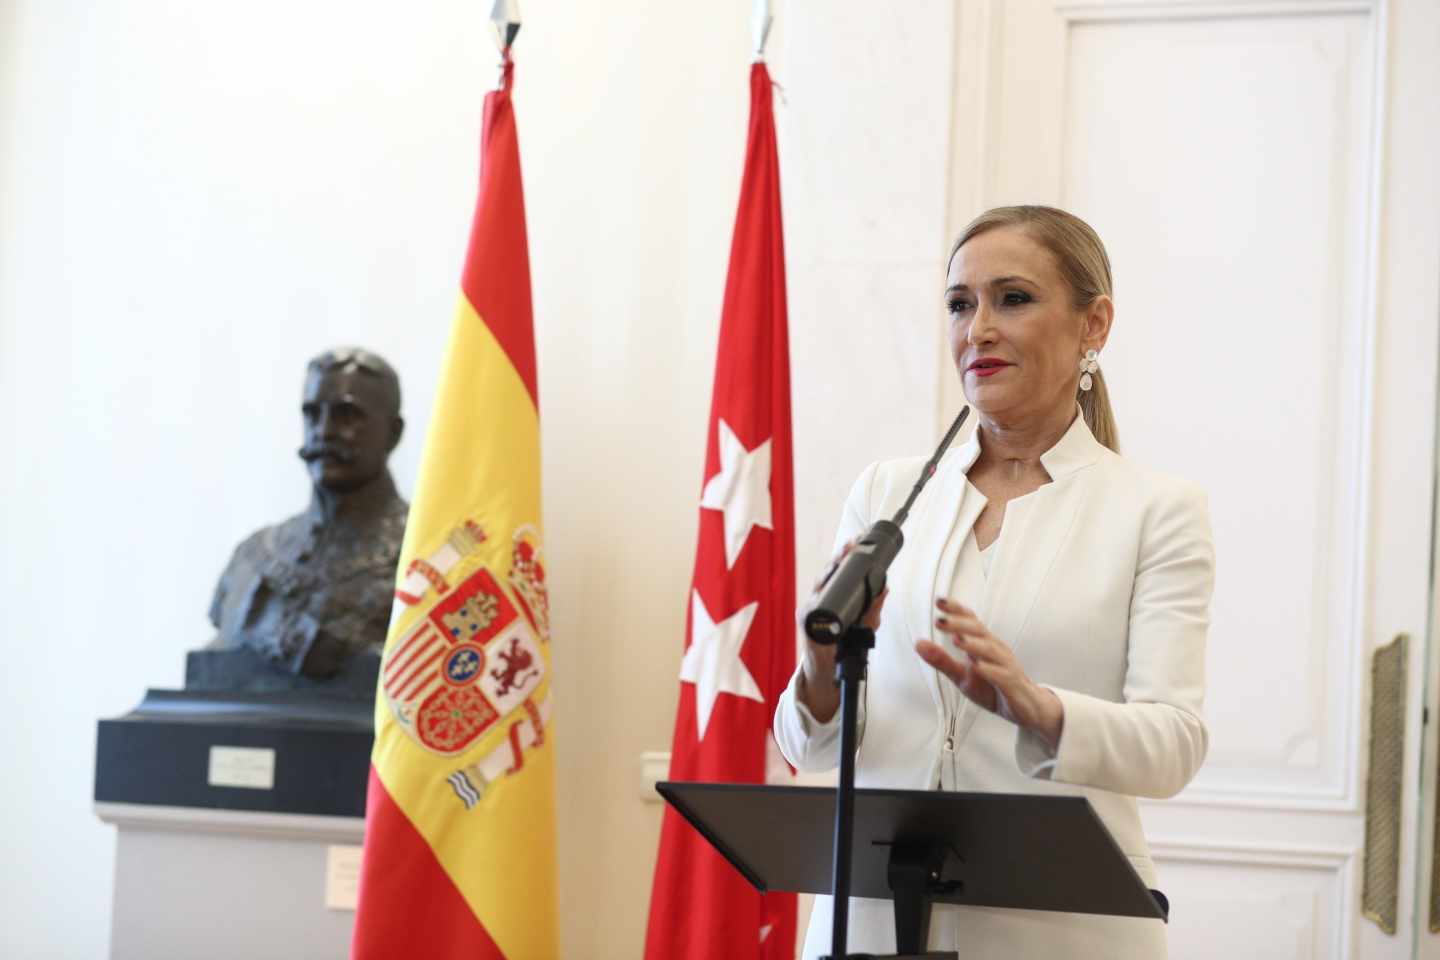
(760, 20)
(505, 16)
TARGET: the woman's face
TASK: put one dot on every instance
(1015, 334)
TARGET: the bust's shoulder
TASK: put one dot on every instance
(262, 541)
(271, 539)
(397, 512)
(390, 534)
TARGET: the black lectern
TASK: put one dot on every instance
(921, 847)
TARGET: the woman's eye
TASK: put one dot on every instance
(1016, 297)
(957, 306)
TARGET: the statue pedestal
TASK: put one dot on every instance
(224, 884)
(239, 821)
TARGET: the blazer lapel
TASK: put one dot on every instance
(937, 532)
(1036, 526)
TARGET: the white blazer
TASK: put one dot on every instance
(1100, 582)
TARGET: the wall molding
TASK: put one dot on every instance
(1280, 799)
(1092, 11)
(1343, 863)
(1323, 857)
(249, 823)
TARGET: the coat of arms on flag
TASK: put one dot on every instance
(472, 656)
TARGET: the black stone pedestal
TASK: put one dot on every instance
(164, 751)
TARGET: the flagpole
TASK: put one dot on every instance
(505, 19)
(760, 21)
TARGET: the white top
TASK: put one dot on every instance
(987, 556)
(1100, 581)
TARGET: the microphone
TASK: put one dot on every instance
(850, 588)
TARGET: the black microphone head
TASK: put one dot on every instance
(854, 584)
(858, 579)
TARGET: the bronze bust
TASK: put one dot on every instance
(309, 594)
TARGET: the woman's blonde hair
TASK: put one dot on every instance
(1081, 257)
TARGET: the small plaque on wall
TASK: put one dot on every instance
(250, 767)
(342, 876)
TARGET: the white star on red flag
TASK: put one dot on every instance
(741, 490)
(713, 662)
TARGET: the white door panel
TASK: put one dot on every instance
(1297, 906)
(1271, 202)
(1240, 256)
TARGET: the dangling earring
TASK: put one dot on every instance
(1088, 364)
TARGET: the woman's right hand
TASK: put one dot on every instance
(817, 688)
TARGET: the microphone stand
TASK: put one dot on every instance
(919, 875)
(852, 654)
(914, 870)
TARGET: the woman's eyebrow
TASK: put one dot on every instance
(997, 282)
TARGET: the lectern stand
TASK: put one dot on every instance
(918, 848)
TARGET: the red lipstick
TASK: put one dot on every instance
(987, 366)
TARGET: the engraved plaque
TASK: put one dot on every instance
(250, 767)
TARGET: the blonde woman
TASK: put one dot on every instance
(1044, 627)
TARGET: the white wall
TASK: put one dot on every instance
(196, 198)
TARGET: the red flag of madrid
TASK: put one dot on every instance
(740, 648)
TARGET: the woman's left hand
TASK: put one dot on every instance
(988, 673)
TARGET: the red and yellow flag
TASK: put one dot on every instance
(460, 823)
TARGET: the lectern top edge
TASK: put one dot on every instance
(664, 788)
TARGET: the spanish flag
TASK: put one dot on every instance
(460, 822)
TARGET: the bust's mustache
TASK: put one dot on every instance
(327, 451)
